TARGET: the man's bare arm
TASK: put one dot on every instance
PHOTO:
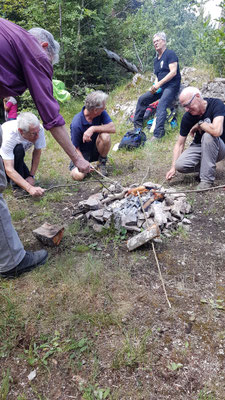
(35, 161)
(20, 181)
(61, 136)
(167, 78)
(178, 149)
(214, 128)
(107, 128)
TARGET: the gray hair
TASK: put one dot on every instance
(95, 100)
(53, 46)
(25, 120)
(190, 90)
(162, 35)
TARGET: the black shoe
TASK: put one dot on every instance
(30, 261)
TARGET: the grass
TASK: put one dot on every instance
(93, 319)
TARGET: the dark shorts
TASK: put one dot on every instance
(92, 155)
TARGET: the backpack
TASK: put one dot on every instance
(132, 140)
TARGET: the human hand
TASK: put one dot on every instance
(83, 165)
(88, 134)
(170, 174)
(153, 89)
(36, 191)
(30, 180)
(194, 129)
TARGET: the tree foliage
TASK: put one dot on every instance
(84, 27)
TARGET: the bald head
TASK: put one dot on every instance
(188, 93)
(191, 99)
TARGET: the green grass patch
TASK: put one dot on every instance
(18, 215)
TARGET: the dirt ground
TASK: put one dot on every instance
(134, 346)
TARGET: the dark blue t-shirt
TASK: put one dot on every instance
(161, 68)
(79, 125)
(215, 108)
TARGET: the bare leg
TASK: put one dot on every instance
(103, 144)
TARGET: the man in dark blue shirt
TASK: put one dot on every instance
(90, 133)
(165, 88)
(205, 121)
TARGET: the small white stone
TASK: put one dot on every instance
(32, 375)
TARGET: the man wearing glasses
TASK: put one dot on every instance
(165, 88)
(18, 136)
(204, 121)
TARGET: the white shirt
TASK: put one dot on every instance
(11, 137)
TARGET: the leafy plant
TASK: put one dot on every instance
(174, 366)
(133, 351)
(94, 392)
(215, 304)
(5, 385)
(95, 246)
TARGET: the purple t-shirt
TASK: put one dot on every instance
(24, 65)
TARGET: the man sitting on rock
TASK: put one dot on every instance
(204, 120)
(90, 133)
(165, 88)
(18, 137)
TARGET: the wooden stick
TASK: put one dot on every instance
(105, 177)
(157, 262)
(195, 190)
(155, 255)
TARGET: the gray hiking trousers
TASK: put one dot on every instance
(202, 157)
(11, 248)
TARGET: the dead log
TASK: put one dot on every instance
(121, 61)
(50, 235)
(143, 237)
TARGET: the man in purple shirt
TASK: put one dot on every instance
(26, 63)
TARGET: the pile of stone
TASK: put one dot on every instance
(215, 88)
(126, 209)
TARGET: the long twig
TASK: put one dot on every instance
(155, 255)
(146, 175)
(108, 179)
(194, 190)
(60, 186)
(157, 262)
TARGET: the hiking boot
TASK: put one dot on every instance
(204, 185)
(101, 166)
(30, 261)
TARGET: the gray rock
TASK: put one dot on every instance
(97, 228)
(143, 237)
(160, 216)
(150, 222)
(186, 221)
(89, 204)
(129, 220)
(98, 215)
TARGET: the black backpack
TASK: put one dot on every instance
(132, 140)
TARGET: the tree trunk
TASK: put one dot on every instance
(121, 61)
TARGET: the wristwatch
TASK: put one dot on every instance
(32, 176)
(200, 122)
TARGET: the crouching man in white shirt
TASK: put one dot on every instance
(18, 137)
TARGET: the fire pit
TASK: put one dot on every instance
(136, 208)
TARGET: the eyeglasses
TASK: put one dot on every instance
(157, 41)
(189, 102)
